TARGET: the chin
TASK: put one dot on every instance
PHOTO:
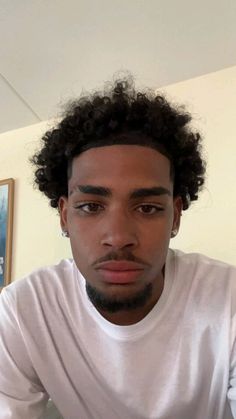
(115, 303)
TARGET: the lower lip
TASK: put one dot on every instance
(120, 277)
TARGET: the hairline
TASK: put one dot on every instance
(110, 142)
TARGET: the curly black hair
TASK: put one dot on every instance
(121, 116)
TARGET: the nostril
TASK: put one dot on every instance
(118, 242)
(118, 245)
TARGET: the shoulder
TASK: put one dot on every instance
(200, 263)
(206, 279)
(42, 284)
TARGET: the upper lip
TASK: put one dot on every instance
(120, 266)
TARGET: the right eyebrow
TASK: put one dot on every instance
(92, 190)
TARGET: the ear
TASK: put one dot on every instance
(178, 207)
(63, 206)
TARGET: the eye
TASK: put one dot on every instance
(149, 209)
(90, 207)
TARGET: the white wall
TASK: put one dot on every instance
(208, 227)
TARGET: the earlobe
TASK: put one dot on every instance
(178, 207)
(174, 232)
(62, 205)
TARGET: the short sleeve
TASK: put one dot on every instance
(21, 393)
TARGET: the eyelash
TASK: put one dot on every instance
(155, 207)
(82, 208)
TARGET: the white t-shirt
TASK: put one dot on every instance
(179, 362)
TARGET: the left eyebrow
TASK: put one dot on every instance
(136, 193)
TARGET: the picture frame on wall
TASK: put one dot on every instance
(6, 228)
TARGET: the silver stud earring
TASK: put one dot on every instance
(64, 233)
(174, 232)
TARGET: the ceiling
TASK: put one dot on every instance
(51, 50)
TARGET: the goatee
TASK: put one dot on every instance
(115, 304)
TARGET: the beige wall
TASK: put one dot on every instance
(36, 234)
(208, 227)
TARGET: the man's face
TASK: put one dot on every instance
(119, 214)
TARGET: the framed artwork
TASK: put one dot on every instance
(6, 225)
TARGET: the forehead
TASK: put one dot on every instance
(124, 164)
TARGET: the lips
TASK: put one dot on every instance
(120, 265)
(119, 272)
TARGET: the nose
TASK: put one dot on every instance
(119, 232)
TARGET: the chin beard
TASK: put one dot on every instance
(113, 304)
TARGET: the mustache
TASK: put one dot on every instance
(117, 256)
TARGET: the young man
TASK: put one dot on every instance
(129, 329)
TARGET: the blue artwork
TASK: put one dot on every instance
(3, 229)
